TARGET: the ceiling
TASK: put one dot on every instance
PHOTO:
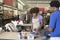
(38, 0)
(38, 3)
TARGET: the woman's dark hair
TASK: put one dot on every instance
(34, 10)
(55, 4)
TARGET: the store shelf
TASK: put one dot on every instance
(14, 8)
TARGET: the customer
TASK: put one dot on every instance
(54, 26)
(36, 19)
(11, 26)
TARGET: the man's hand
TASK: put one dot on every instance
(49, 29)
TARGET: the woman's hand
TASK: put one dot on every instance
(46, 26)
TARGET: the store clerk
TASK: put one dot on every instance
(54, 25)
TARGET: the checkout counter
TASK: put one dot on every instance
(14, 35)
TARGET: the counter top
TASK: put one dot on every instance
(9, 35)
(12, 35)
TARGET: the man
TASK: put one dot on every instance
(54, 25)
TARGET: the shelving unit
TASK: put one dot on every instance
(8, 11)
(1, 14)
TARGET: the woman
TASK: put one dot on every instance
(36, 19)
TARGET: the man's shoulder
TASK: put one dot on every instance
(56, 13)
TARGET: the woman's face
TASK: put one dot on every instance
(34, 14)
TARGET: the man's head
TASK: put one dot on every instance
(54, 5)
(34, 11)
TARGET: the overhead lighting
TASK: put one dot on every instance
(21, 2)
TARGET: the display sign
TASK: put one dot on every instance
(8, 2)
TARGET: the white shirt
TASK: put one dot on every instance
(36, 23)
(14, 22)
(10, 27)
